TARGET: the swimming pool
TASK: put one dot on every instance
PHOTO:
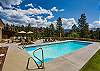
(55, 50)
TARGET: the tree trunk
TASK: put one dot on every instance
(60, 34)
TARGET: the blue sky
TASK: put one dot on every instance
(44, 12)
(72, 8)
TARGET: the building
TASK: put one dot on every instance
(1, 27)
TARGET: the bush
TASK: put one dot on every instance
(73, 35)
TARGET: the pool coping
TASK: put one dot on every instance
(65, 57)
(27, 46)
(73, 63)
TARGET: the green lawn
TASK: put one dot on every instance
(93, 64)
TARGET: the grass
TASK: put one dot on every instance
(93, 64)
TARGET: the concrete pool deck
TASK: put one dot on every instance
(16, 59)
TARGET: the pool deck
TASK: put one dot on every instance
(16, 59)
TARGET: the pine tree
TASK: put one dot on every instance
(74, 28)
(46, 32)
(83, 26)
(22, 28)
(59, 26)
(52, 29)
(97, 34)
(28, 28)
(7, 27)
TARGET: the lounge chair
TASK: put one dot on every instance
(2, 55)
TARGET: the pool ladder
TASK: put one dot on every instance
(41, 65)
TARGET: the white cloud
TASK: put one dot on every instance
(5, 21)
(13, 16)
(49, 17)
(39, 22)
(19, 17)
(30, 5)
(35, 11)
(68, 23)
(91, 26)
(8, 3)
(61, 10)
(1, 8)
(96, 24)
(20, 12)
(56, 10)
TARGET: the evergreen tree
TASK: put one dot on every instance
(6, 27)
(46, 32)
(29, 28)
(74, 28)
(92, 35)
(16, 28)
(22, 28)
(97, 33)
(12, 28)
(83, 26)
(59, 26)
(52, 29)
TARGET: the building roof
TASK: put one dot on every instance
(1, 23)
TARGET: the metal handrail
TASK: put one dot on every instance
(28, 62)
(41, 66)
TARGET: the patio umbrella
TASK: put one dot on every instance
(22, 32)
(29, 32)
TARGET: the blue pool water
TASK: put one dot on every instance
(55, 50)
